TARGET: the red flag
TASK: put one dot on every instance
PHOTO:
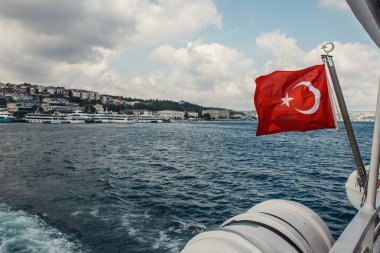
(293, 101)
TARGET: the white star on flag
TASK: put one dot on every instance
(286, 100)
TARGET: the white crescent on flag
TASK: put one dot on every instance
(315, 91)
(317, 95)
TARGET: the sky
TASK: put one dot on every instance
(206, 52)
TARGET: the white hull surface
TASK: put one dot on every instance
(123, 121)
(149, 120)
(354, 193)
(275, 226)
(102, 118)
(122, 118)
(56, 121)
(77, 121)
(44, 118)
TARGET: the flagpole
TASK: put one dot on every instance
(362, 177)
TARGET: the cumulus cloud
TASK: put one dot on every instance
(76, 44)
(337, 4)
(73, 42)
(356, 65)
(209, 74)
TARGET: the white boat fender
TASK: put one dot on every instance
(276, 226)
(353, 191)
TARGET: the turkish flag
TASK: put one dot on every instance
(293, 101)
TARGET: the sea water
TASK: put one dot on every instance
(152, 187)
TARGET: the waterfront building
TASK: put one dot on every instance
(169, 114)
(217, 113)
(192, 114)
(20, 103)
(361, 116)
(141, 112)
(59, 105)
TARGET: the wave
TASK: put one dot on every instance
(22, 232)
(168, 238)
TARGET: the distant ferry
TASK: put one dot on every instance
(102, 118)
(45, 118)
(112, 118)
(122, 118)
(78, 118)
(149, 119)
(6, 117)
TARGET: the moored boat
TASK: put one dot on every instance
(78, 117)
(102, 118)
(6, 117)
(149, 119)
(122, 118)
(43, 118)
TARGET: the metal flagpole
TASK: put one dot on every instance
(362, 177)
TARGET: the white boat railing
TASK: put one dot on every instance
(361, 235)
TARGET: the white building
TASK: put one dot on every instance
(168, 114)
(58, 104)
(217, 113)
(141, 112)
(192, 114)
(75, 93)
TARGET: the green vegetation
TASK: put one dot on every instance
(159, 105)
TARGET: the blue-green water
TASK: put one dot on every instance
(151, 187)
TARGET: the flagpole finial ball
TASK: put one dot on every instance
(328, 47)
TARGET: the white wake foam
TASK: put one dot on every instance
(22, 232)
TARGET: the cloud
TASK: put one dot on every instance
(356, 65)
(337, 4)
(74, 42)
(208, 74)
